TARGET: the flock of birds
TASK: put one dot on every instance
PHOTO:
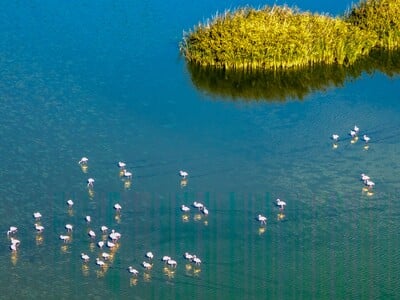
(109, 239)
(354, 134)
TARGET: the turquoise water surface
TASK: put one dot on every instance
(105, 80)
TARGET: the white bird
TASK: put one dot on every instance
(83, 161)
(68, 227)
(204, 210)
(166, 258)
(37, 215)
(127, 174)
(366, 138)
(172, 263)
(369, 183)
(121, 164)
(146, 265)
(70, 202)
(64, 238)
(104, 229)
(117, 207)
(100, 262)
(280, 203)
(262, 219)
(15, 242)
(110, 244)
(365, 177)
(198, 205)
(356, 129)
(114, 236)
(39, 228)
(184, 208)
(105, 255)
(85, 257)
(100, 244)
(92, 234)
(133, 271)
(90, 182)
(183, 174)
(150, 255)
(12, 230)
(88, 219)
(13, 247)
(188, 256)
(335, 137)
(196, 260)
(353, 134)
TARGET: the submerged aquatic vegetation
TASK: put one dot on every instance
(280, 37)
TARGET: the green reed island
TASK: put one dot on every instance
(282, 37)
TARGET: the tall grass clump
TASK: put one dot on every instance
(379, 16)
(280, 37)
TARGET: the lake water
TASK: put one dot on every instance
(105, 80)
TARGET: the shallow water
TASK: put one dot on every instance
(106, 81)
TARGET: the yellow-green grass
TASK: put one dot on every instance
(280, 37)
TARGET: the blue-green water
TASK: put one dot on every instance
(105, 80)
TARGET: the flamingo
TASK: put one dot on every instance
(39, 228)
(37, 215)
(184, 208)
(114, 236)
(13, 247)
(150, 255)
(100, 263)
(83, 161)
(198, 205)
(127, 174)
(369, 183)
(165, 258)
(117, 207)
(262, 219)
(366, 138)
(121, 165)
(85, 257)
(188, 256)
(15, 242)
(365, 177)
(92, 234)
(183, 174)
(133, 271)
(204, 210)
(68, 227)
(172, 263)
(280, 203)
(110, 244)
(105, 255)
(70, 202)
(196, 260)
(335, 137)
(65, 238)
(146, 265)
(90, 182)
(12, 230)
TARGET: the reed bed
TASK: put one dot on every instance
(280, 37)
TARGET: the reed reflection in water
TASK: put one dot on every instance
(295, 83)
